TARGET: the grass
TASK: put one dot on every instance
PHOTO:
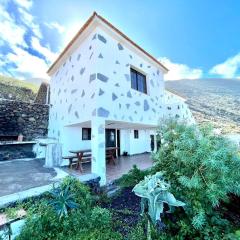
(15, 89)
(18, 83)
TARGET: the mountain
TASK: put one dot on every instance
(14, 89)
(212, 100)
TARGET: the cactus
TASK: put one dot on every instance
(153, 191)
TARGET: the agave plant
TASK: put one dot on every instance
(153, 191)
(62, 201)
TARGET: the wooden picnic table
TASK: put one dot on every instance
(85, 155)
(82, 157)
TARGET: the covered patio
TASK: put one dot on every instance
(93, 138)
(122, 166)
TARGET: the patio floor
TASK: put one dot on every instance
(20, 175)
(123, 165)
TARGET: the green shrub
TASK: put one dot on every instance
(202, 169)
(80, 191)
(83, 222)
(62, 200)
(133, 177)
(100, 217)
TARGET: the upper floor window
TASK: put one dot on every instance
(138, 81)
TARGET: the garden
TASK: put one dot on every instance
(191, 192)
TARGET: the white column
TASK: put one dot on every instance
(98, 148)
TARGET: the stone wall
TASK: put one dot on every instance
(29, 119)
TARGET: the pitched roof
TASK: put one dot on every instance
(87, 23)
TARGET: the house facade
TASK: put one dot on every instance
(106, 91)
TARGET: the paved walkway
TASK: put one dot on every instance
(21, 175)
(124, 164)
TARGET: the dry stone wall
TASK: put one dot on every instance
(28, 119)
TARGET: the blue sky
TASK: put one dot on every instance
(194, 38)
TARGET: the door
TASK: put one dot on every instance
(152, 142)
(118, 142)
(110, 135)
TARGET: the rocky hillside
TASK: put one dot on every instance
(212, 100)
(14, 89)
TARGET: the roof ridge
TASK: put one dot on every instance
(95, 14)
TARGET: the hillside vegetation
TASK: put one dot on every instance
(212, 100)
(14, 89)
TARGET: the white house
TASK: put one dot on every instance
(108, 91)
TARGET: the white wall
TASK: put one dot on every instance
(95, 82)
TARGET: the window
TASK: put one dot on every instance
(135, 133)
(138, 81)
(86, 134)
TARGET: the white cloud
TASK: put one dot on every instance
(19, 62)
(28, 20)
(11, 32)
(55, 25)
(27, 4)
(50, 56)
(227, 69)
(27, 64)
(179, 71)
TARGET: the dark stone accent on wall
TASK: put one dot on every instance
(146, 105)
(100, 56)
(90, 47)
(117, 62)
(94, 36)
(91, 56)
(76, 114)
(92, 77)
(117, 85)
(127, 105)
(31, 120)
(137, 103)
(141, 65)
(101, 38)
(127, 65)
(82, 71)
(72, 78)
(102, 112)
(101, 92)
(69, 108)
(83, 93)
(129, 94)
(120, 47)
(149, 66)
(16, 151)
(73, 91)
(93, 95)
(114, 96)
(78, 57)
(102, 77)
(130, 56)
